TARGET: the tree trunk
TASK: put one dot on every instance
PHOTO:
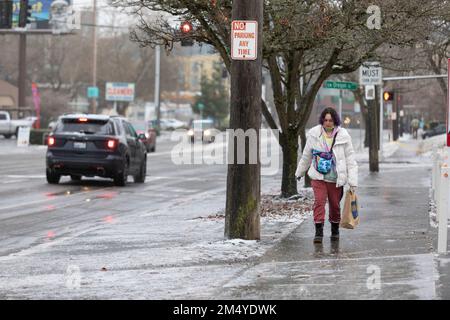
(367, 132)
(243, 181)
(303, 141)
(289, 146)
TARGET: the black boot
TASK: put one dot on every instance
(334, 231)
(319, 233)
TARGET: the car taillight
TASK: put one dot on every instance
(83, 120)
(51, 141)
(111, 144)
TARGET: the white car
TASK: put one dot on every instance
(172, 124)
(203, 130)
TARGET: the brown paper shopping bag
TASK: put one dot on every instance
(350, 214)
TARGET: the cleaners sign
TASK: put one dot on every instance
(119, 91)
(244, 40)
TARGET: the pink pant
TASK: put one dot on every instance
(322, 191)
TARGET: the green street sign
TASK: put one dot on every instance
(340, 85)
(92, 92)
(201, 106)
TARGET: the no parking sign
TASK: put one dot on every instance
(244, 40)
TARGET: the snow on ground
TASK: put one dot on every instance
(388, 150)
(175, 250)
(432, 210)
(426, 146)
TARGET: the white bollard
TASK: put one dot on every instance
(443, 207)
(433, 173)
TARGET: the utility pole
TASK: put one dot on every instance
(157, 85)
(381, 120)
(24, 15)
(242, 211)
(22, 69)
(94, 57)
(395, 118)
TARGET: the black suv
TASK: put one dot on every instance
(95, 145)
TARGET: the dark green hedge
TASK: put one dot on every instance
(39, 136)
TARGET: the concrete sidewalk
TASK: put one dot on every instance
(390, 255)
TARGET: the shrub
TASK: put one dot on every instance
(39, 136)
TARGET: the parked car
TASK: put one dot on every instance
(95, 145)
(52, 125)
(142, 127)
(172, 124)
(202, 130)
(437, 130)
(10, 127)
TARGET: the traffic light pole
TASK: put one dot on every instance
(373, 136)
(395, 121)
(94, 57)
(22, 70)
(381, 120)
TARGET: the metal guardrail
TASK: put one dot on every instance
(440, 190)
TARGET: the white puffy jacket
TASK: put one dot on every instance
(346, 166)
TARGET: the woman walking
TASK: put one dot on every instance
(328, 158)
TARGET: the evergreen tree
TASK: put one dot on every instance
(215, 97)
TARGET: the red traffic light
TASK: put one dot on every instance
(186, 27)
(388, 96)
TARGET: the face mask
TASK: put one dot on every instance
(328, 130)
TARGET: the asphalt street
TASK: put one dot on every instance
(30, 209)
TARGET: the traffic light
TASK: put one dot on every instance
(388, 96)
(24, 13)
(186, 29)
(6, 11)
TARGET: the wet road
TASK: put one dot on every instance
(388, 256)
(32, 211)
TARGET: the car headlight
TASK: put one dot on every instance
(208, 132)
(190, 132)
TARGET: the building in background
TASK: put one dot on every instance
(9, 96)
